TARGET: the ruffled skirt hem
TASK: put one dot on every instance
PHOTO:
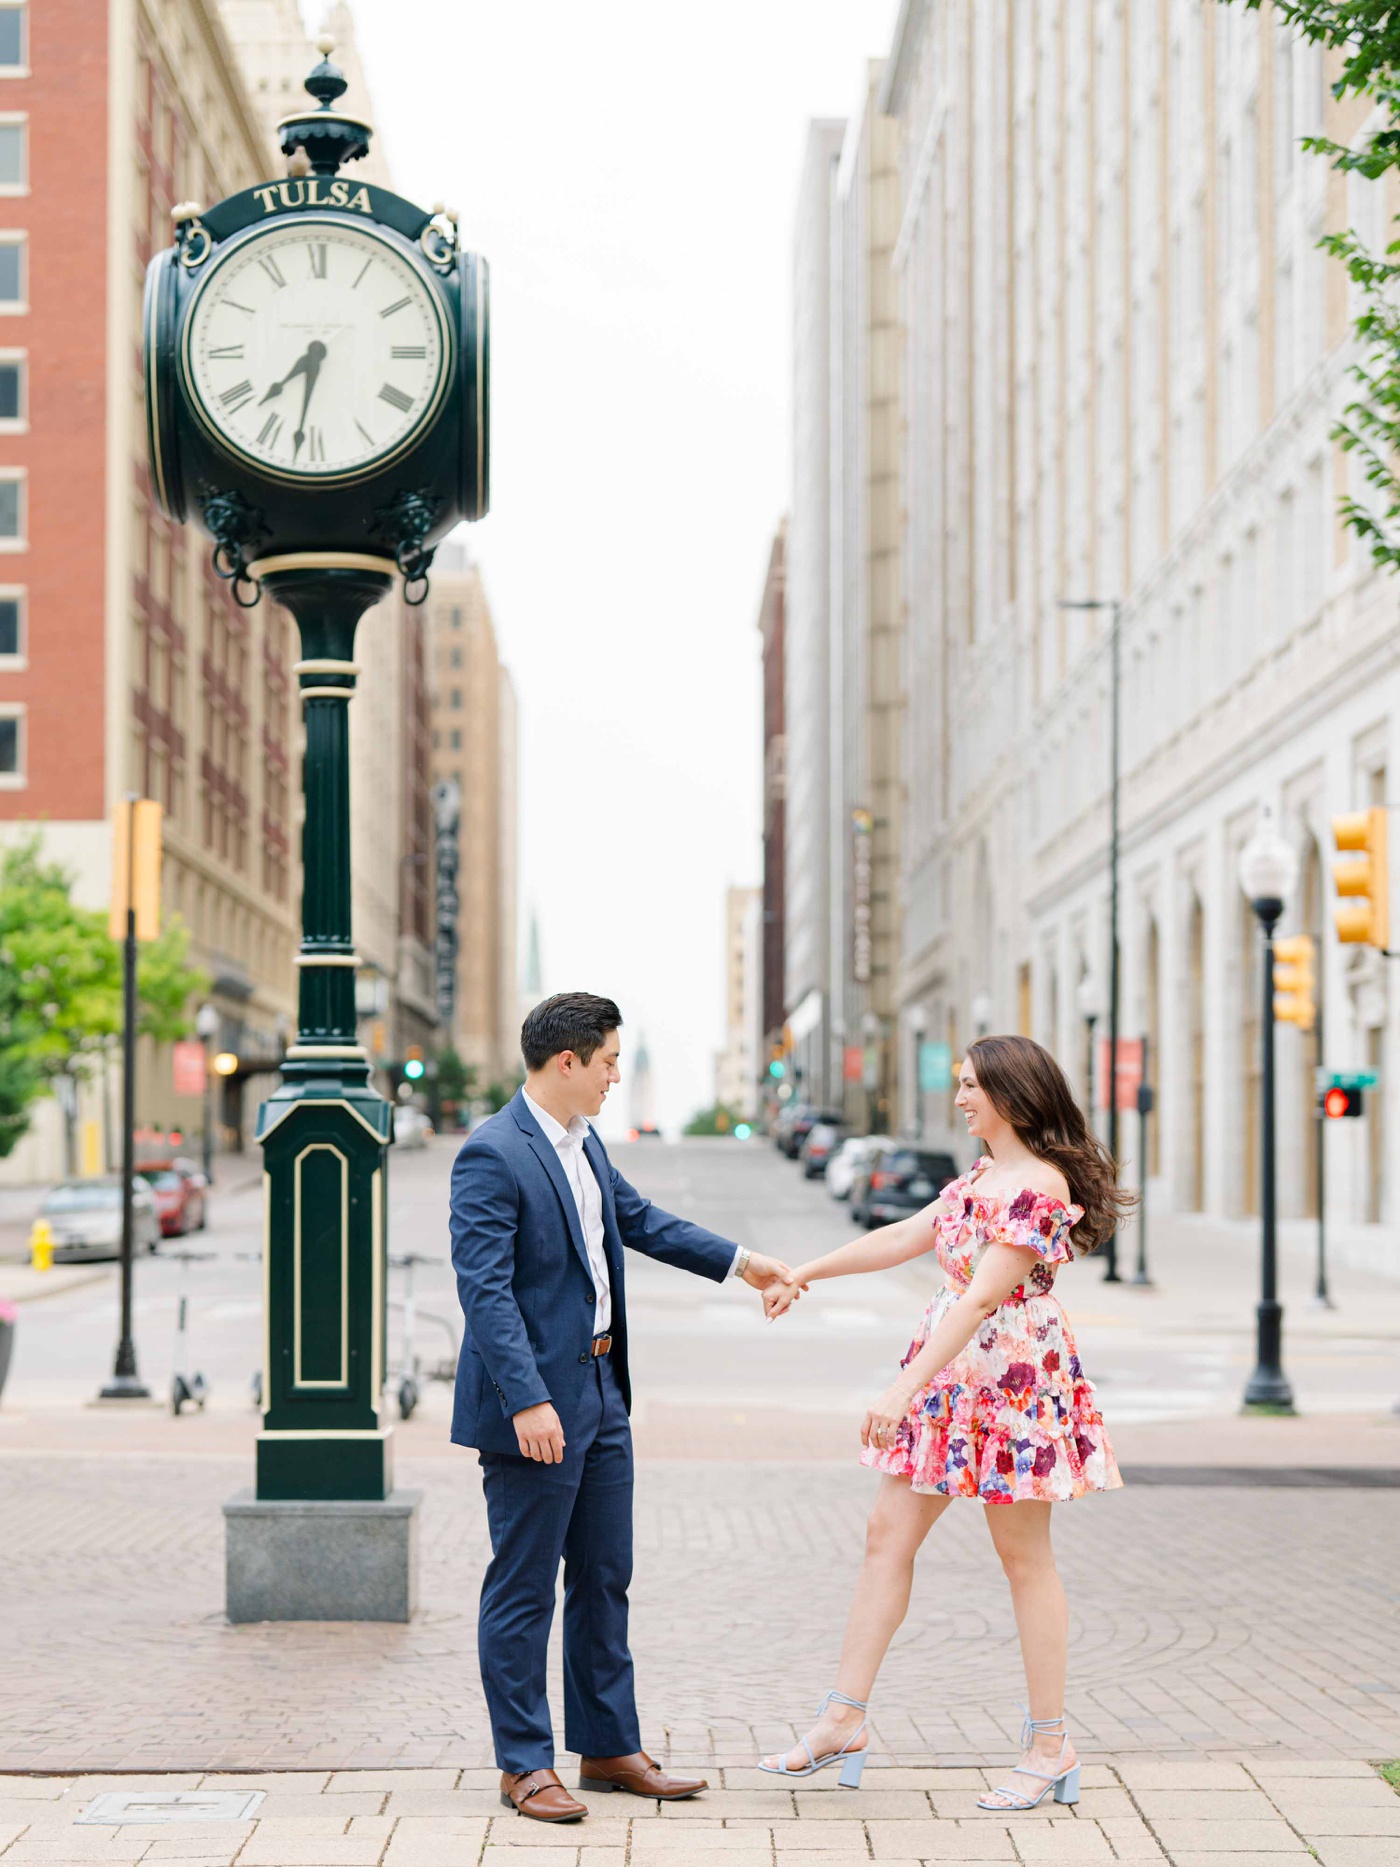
(955, 1443)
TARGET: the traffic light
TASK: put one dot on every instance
(1294, 982)
(777, 1069)
(1339, 1103)
(413, 1062)
(1364, 876)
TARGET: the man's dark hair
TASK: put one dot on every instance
(574, 1021)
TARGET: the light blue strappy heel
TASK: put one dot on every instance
(1065, 1783)
(852, 1761)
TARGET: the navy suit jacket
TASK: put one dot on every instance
(523, 1276)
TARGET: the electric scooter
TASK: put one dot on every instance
(412, 1370)
(185, 1386)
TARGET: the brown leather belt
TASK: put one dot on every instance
(602, 1345)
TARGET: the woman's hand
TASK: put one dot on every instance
(881, 1424)
(782, 1293)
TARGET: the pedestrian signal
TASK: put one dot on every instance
(1364, 877)
(1339, 1103)
(1294, 982)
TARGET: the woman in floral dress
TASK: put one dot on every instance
(991, 1403)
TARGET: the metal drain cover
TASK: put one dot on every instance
(154, 1806)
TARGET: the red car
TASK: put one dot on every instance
(180, 1189)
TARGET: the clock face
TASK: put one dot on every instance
(316, 349)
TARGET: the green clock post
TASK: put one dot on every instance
(316, 399)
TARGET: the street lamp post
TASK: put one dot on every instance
(981, 1009)
(918, 1024)
(1087, 1004)
(1115, 631)
(206, 1027)
(1268, 873)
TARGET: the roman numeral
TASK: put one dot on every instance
(270, 429)
(227, 350)
(318, 260)
(271, 268)
(409, 350)
(364, 430)
(315, 444)
(397, 305)
(233, 399)
(395, 397)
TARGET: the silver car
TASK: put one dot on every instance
(411, 1128)
(852, 1154)
(85, 1217)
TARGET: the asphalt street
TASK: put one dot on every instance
(1180, 1350)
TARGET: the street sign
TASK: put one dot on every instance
(935, 1066)
(188, 1067)
(1129, 1072)
(1346, 1079)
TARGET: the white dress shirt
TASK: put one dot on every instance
(588, 1202)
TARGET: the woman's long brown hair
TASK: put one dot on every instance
(1027, 1088)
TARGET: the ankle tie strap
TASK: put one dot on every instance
(1036, 1727)
(839, 1698)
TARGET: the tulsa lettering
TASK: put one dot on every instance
(314, 191)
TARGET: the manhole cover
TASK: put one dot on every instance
(174, 1805)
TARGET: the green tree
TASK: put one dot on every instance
(61, 986)
(717, 1120)
(1366, 36)
(455, 1079)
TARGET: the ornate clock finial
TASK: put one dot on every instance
(329, 136)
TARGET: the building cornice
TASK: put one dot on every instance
(903, 57)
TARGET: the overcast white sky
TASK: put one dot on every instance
(630, 170)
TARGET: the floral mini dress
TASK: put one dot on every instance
(1013, 1415)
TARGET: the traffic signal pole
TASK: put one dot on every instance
(1321, 1297)
(1268, 1388)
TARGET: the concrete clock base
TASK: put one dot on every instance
(322, 1559)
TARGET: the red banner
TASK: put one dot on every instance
(187, 1067)
(853, 1063)
(1129, 1073)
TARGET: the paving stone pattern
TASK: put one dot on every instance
(1200, 1813)
(1252, 1624)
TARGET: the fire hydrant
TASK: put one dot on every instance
(41, 1245)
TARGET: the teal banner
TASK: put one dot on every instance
(935, 1066)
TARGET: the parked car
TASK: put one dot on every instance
(787, 1114)
(181, 1192)
(802, 1126)
(856, 1149)
(823, 1140)
(896, 1181)
(411, 1128)
(85, 1217)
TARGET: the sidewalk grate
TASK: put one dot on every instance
(173, 1805)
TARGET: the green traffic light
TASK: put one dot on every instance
(776, 1068)
(413, 1068)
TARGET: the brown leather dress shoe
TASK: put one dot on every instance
(639, 1776)
(540, 1795)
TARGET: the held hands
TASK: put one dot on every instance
(780, 1295)
(881, 1424)
(770, 1275)
(540, 1434)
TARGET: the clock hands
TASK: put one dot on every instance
(308, 367)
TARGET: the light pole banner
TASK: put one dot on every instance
(935, 1067)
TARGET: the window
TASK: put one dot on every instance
(11, 748)
(14, 408)
(456, 657)
(456, 618)
(456, 740)
(14, 46)
(456, 698)
(12, 509)
(11, 626)
(437, 740)
(14, 154)
(13, 272)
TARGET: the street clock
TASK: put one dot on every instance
(317, 369)
(312, 335)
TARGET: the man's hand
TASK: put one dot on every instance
(540, 1434)
(771, 1276)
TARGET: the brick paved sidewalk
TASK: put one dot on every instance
(1196, 1814)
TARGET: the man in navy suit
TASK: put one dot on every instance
(539, 1220)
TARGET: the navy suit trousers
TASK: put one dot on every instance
(580, 1511)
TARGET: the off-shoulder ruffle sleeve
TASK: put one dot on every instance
(1040, 1223)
